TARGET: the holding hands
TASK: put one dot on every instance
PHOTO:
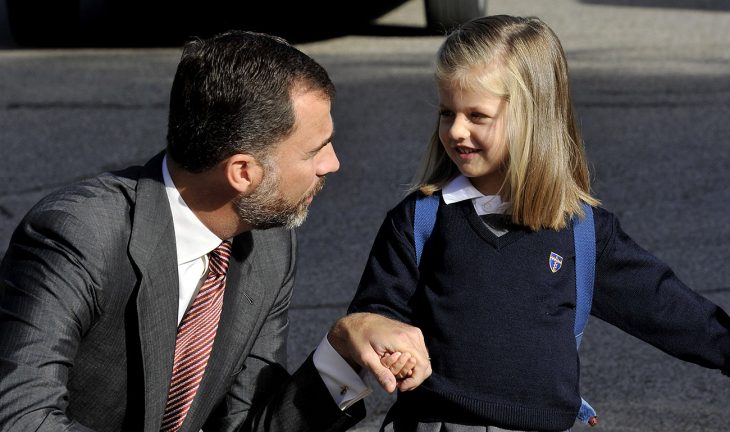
(400, 364)
(394, 352)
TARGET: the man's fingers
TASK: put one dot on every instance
(409, 339)
(381, 373)
(419, 342)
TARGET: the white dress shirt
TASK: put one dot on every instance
(194, 241)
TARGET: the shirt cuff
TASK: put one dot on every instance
(344, 384)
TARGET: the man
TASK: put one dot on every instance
(156, 298)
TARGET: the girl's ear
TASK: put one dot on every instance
(243, 173)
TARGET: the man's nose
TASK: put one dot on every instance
(329, 162)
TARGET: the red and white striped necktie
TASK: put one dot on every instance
(195, 336)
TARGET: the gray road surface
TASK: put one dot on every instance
(652, 89)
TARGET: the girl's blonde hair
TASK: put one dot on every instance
(522, 60)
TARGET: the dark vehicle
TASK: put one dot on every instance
(145, 22)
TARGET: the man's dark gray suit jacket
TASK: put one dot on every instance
(88, 317)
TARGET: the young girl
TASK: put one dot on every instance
(497, 313)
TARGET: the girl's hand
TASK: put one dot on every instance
(400, 364)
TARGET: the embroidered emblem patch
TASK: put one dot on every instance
(556, 261)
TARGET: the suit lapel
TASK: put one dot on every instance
(241, 307)
(152, 248)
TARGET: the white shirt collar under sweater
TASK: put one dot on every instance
(461, 189)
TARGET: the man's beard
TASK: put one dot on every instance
(267, 208)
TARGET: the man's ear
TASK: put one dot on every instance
(243, 173)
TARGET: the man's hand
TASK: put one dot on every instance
(363, 338)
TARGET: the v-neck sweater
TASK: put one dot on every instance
(498, 321)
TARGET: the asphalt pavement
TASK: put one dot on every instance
(651, 81)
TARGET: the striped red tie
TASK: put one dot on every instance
(195, 337)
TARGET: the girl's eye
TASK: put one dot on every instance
(446, 113)
(478, 115)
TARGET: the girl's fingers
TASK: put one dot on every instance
(389, 359)
(410, 365)
(401, 365)
(401, 368)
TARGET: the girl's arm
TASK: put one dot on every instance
(641, 295)
(391, 275)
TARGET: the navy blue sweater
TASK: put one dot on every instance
(498, 322)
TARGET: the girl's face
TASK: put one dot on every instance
(472, 129)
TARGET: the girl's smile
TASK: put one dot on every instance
(466, 152)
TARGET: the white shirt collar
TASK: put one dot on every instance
(192, 239)
(461, 189)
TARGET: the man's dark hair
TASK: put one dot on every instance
(232, 94)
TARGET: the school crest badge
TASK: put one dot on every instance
(556, 261)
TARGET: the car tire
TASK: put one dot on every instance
(445, 15)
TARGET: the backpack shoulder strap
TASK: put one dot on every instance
(424, 219)
(584, 234)
(585, 260)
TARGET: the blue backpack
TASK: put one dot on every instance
(585, 258)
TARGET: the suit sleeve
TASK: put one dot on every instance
(641, 295)
(265, 397)
(47, 302)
